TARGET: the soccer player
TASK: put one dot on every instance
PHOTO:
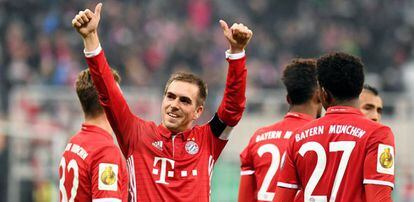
(370, 103)
(92, 167)
(261, 158)
(342, 156)
(172, 161)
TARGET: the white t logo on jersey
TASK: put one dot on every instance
(163, 171)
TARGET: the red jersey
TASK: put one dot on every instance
(333, 157)
(262, 155)
(92, 168)
(164, 166)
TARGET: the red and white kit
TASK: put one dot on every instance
(262, 155)
(92, 168)
(332, 158)
(165, 166)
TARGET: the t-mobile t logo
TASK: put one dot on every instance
(163, 169)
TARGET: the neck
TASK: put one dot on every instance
(306, 108)
(99, 121)
(349, 103)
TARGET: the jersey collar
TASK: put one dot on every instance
(168, 134)
(96, 130)
(299, 116)
(343, 110)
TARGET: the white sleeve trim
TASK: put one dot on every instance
(107, 200)
(93, 53)
(246, 172)
(235, 56)
(287, 185)
(379, 182)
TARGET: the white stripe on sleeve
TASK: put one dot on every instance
(106, 200)
(379, 182)
(287, 185)
(246, 172)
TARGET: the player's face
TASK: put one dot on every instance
(370, 105)
(179, 107)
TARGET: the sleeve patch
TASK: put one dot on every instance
(385, 159)
(108, 177)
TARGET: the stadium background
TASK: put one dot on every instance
(40, 56)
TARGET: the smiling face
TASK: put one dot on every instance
(179, 107)
(370, 105)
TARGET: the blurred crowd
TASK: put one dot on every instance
(146, 40)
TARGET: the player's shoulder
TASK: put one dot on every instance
(379, 131)
(372, 125)
(92, 141)
(309, 124)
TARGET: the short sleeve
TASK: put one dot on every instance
(246, 161)
(380, 158)
(288, 177)
(108, 175)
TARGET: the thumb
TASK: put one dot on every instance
(224, 25)
(98, 9)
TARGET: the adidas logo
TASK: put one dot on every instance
(158, 145)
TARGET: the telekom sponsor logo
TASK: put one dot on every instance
(164, 168)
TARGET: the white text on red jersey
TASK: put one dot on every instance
(273, 135)
(78, 150)
(333, 130)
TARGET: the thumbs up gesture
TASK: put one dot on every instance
(238, 36)
(86, 22)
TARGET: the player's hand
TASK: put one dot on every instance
(86, 22)
(238, 36)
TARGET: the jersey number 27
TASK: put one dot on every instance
(346, 147)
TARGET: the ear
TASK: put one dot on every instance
(327, 97)
(317, 96)
(288, 100)
(198, 111)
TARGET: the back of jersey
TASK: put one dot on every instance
(73, 172)
(261, 158)
(92, 168)
(332, 158)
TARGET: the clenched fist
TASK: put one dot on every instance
(238, 36)
(86, 22)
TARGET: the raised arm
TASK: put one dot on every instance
(233, 103)
(110, 95)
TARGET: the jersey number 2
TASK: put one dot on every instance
(263, 195)
(346, 147)
(71, 166)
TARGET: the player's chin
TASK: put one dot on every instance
(171, 123)
(172, 127)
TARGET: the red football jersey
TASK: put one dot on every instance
(165, 166)
(330, 159)
(92, 168)
(262, 155)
